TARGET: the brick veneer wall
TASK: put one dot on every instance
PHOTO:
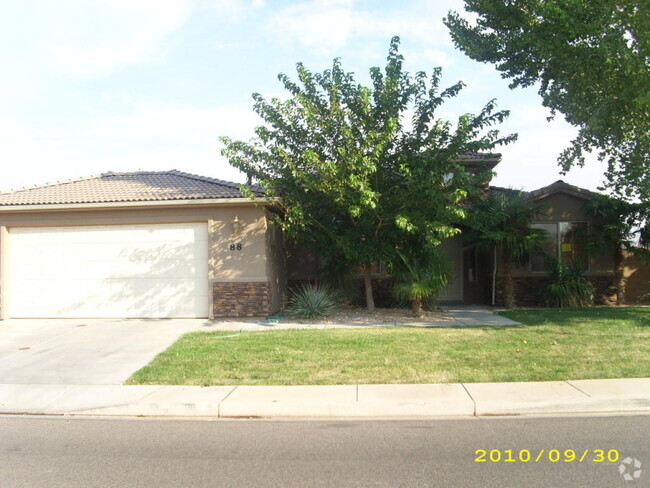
(528, 288)
(247, 299)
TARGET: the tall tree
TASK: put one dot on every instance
(591, 59)
(358, 169)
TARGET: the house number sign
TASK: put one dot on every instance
(236, 247)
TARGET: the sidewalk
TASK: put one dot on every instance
(332, 401)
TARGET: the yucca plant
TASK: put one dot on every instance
(420, 276)
(313, 301)
(567, 287)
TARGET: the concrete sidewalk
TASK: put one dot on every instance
(476, 315)
(333, 401)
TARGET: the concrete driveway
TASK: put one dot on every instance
(83, 352)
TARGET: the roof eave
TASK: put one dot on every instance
(568, 190)
(550, 194)
(139, 204)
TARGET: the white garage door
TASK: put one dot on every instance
(109, 271)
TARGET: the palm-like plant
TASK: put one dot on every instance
(420, 275)
(503, 220)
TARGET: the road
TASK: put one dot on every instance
(65, 452)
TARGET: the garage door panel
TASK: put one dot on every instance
(109, 271)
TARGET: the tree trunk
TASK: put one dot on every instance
(619, 278)
(367, 281)
(508, 284)
(416, 306)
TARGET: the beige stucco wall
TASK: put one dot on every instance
(253, 263)
(563, 207)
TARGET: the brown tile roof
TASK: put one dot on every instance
(558, 186)
(141, 186)
(479, 156)
(561, 186)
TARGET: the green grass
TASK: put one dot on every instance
(553, 345)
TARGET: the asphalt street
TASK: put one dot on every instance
(594, 451)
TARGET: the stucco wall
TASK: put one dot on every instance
(636, 272)
(228, 262)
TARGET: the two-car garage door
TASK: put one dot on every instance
(108, 271)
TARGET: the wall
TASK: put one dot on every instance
(247, 265)
(564, 207)
(636, 273)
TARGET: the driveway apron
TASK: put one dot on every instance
(83, 352)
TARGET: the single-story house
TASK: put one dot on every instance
(172, 244)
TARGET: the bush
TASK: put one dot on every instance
(420, 276)
(313, 301)
(567, 288)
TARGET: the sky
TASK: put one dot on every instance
(147, 85)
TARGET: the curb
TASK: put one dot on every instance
(464, 400)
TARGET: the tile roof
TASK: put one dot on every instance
(558, 186)
(141, 186)
(479, 156)
(555, 187)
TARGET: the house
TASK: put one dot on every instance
(477, 273)
(171, 244)
(144, 244)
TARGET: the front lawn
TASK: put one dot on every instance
(553, 345)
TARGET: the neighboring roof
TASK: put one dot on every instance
(141, 186)
(560, 187)
(495, 190)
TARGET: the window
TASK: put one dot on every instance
(567, 242)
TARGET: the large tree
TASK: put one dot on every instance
(360, 171)
(591, 61)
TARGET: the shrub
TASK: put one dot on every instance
(313, 301)
(567, 287)
(420, 276)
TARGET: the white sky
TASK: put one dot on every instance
(127, 85)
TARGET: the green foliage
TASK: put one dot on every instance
(355, 177)
(420, 276)
(590, 61)
(625, 225)
(313, 301)
(566, 287)
(552, 344)
(621, 226)
(504, 220)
